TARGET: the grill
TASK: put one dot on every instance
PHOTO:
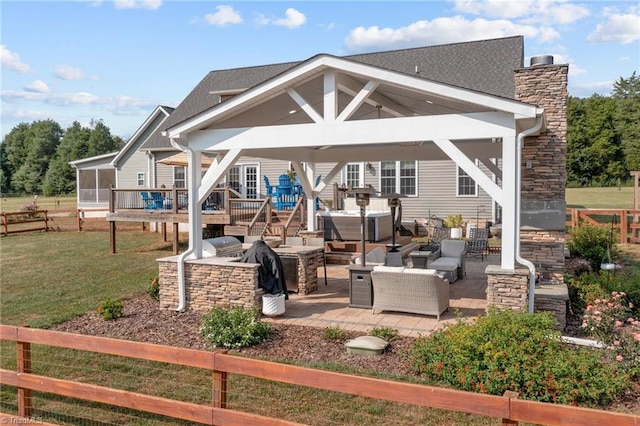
(222, 247)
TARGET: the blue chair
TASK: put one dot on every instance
(285, 198)
(270, 191)
(149, 204)
(158, 200)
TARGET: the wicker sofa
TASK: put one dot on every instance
(401, 289)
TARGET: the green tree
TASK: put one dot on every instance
(60, 176)
(101, 141)
(626, 92)
(29, 151)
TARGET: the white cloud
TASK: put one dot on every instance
(623, 28)
(37, 86)
(138, 4)
(293, 19)
(441, 31)
(67, 72)
(548, 12)
(225, 15)
(11, 60)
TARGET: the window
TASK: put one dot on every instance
(353, 175)
(467, 187)
(180, 177)
(140, 178)
(399, 176)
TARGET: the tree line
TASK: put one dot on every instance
(35, 157)
(603, 145)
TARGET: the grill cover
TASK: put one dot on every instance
(222, 247)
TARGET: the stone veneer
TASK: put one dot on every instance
(208, 285)
(214, 281)
(507, 289)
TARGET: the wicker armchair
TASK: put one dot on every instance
(418, 291)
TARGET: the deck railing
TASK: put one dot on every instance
(162, 199)
(508, 407)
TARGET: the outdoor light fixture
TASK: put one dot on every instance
(363, 195)
(393, 200)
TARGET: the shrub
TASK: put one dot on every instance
(609, 321)
(385, 333)
(234, 328)
(521, 352)
(584, 289)
(591, 243)
(154, 288)
(577, 266)
(334, 333)
(111, 309)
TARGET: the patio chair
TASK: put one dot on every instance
(270, 191)
(158, 200)
(478, 242)
(149, 203)
(285, 199)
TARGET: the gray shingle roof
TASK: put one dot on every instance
(485, 66)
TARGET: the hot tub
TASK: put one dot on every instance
(345, 225)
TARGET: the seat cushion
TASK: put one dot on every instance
(453, 261)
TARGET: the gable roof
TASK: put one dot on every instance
(485, 66)
(157, 117)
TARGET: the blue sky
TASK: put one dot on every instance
(117, 60)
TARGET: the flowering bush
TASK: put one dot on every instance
(609, 320)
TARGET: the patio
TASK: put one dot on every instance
(328, 306)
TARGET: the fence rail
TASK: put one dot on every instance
(626, 222)
(508, 408)
(39, 217)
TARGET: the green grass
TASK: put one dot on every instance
(48, 278)
(63, 202)
(600, 198)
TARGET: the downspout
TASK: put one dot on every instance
(518, 257)
(182, 298)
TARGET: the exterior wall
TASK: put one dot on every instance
(128, 170)
(544, 169)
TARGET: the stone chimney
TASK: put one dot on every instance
(543, 167)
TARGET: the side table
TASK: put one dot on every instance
(419, 259)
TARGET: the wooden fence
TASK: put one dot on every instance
(39, 218)
(626, 222)
(508, 408)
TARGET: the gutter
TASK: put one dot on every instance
(182, 298)
(518, 257)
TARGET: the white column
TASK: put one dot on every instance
(195, 207)
(509, 212)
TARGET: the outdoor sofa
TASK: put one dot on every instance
(402, 289)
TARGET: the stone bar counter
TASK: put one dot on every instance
(226, 282)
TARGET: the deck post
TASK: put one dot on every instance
(175, 238)
(112, 236)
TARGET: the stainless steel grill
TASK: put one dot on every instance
(222, 247)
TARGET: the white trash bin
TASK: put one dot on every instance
(273, 304)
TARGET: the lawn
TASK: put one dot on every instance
(600, 198)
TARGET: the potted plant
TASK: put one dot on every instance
(328, 204)
(454, 222)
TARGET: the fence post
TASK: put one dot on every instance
(624, 223)
(46, 221)
(5, 224)
(219, 385)
(24, 366)
(511, 395)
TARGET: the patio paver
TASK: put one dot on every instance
(328, 306)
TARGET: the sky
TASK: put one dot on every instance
(116, 61)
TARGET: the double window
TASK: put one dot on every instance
(400, 177)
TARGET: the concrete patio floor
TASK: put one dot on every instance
(328, 306)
